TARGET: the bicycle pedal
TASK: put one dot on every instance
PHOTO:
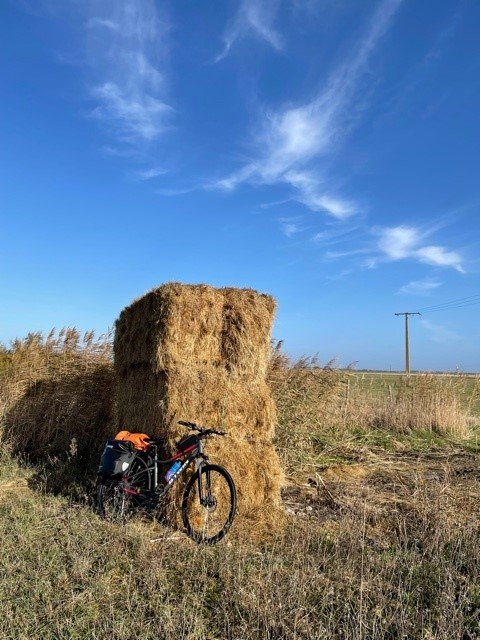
(132, 491)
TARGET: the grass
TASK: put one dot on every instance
(328, 416)
(381, 538)
(367, 571)
(381, 384)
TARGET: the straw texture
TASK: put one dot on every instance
(194, 352)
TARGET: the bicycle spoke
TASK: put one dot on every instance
(119, 500)
(208, 516)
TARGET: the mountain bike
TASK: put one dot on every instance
(131, 481)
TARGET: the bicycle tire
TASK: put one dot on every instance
(113, 502)
(217, 481)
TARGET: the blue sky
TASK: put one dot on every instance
(325, 152)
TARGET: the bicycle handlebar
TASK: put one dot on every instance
(206, 431)
(184, 423)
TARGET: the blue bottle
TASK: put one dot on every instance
(173, 470)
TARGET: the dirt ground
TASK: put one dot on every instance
(442, 484)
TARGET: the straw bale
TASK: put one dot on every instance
(254, 467)
(182, 324)
(247, 322)
(170, 324)
(185, 352)
(258, 477)
(154, 402)
(207, 396)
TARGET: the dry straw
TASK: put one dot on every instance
(201, 354)
(56, 394)
(429, 402)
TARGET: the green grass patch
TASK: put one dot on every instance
(66, 575)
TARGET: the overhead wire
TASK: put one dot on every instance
(458, 306)
(474, 299)
(453, 304)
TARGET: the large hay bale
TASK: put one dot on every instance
(193, 325)
(199, 353)
(149, 400)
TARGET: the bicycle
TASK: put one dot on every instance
(130, 481)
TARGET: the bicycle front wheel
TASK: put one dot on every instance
(209, 504)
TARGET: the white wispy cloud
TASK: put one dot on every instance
(103, 22)
(335, 234)
(274, 203)
(420, 287)
(254, 17)
(402, 242)
(398, 242)
(440, 257)
(125, 44)
(168, 192)
(121, 47)
(439, 333)
(335, 255)
(290, 226)
(288, 140)
(150, 174)
(311, 195)
(391, 244)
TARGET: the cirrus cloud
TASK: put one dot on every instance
(403, 242)
(289, 139)
(253, 17)
(125, 44)
(420, 287)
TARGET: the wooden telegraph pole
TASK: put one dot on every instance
(407, 340)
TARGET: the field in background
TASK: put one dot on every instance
(382, 382)
(381, 540)
(467, 386)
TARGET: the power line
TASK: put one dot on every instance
(473, 298)
(457, 306)
(460, 301)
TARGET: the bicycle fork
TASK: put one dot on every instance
(201, 460)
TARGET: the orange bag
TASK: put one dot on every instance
(137, 439)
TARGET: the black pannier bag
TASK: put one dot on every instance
(116, 458)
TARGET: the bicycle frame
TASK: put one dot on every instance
(142, 486)
(192, 453)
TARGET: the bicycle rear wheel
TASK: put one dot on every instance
(119, 499)
(207, 516)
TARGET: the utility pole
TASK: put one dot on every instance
(407, 341)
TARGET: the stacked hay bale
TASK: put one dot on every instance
(185, 352)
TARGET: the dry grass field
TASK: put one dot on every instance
(384, 383)
(382, 497)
